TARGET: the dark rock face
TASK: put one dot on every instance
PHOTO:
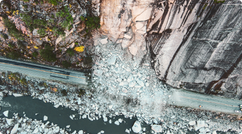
(197, 45)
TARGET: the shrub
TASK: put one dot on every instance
(88, 61)
(35, 54)
(5, 36)
(64, 93)
(23, 81)
(81, 92)
(66, 64)
(70, 51)
(6, 3)
(21, 44)
(67, 18)
(54, 2)
(27, 19)
(48, 54)
(42, 32)
(39, 22)
(11, 44)
(14, 54)
(13, 31)
(58, 31)
(91, 22)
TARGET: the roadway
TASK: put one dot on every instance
(178, 97)
(185, 98)
(43, 71)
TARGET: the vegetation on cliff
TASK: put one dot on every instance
(67, 26)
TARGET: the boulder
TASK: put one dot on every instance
(5, 113)
(15, 129)
(156, 128)
(45, 118)
(136, 127)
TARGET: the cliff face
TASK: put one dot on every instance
(195, 44)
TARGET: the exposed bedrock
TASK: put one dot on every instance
(196, 44)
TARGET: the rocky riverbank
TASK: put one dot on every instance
(18, 124)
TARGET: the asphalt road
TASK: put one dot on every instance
(178, 97)
(42, 71)
(207, 102)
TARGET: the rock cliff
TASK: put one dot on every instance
(197, 45)
(194, 44)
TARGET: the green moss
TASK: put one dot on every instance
(205, 5)
(219, 1)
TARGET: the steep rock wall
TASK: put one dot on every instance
(196, 44)
(124, 22)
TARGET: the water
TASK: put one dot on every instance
(60, 116)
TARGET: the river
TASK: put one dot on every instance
(36, 109)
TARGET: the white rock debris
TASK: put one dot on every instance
(5, 113)
(136, 127)
(45, 118)
(24, 125)
(156, 128)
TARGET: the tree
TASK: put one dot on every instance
(14, 54)
(70, 51)
(66, 64)
(13, 31)
(48, 54)
(35, 54)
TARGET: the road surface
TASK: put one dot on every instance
(207, 102)
(42, 71)
(178, 97)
